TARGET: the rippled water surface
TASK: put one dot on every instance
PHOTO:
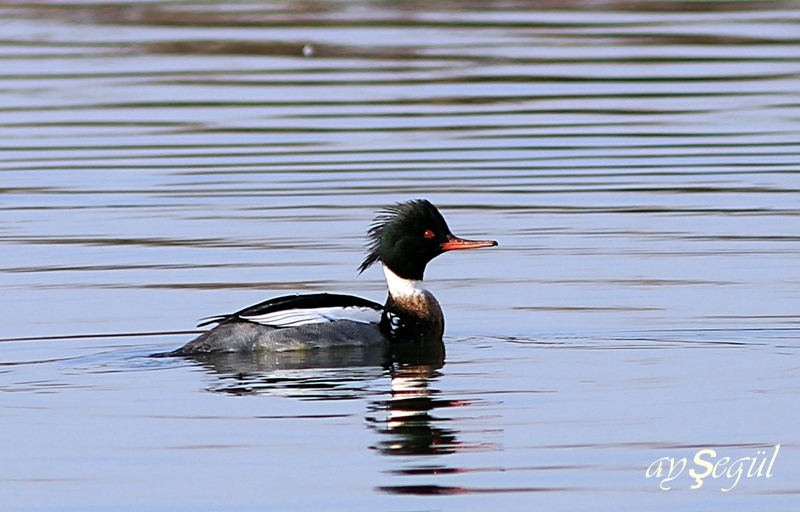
(638, 162)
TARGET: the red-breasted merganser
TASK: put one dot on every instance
(404, 238)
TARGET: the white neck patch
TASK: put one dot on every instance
(401, 287)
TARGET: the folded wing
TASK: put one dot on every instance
(296, 310)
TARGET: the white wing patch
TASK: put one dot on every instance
(297, 317)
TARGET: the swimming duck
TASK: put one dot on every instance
(403, 237)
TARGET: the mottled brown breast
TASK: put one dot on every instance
(420, 313)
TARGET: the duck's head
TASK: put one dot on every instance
(406, 236)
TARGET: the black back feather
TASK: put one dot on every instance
(297, 301)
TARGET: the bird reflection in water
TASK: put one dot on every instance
(408, 426)
(333, 374)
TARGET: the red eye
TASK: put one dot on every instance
(429, 234)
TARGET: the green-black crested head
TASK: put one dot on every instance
(406, 236)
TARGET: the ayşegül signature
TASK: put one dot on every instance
(707, 465)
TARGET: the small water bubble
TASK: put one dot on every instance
(308, 50)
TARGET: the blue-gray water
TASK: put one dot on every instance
(639, 163)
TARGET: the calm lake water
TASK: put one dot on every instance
(638, 162)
